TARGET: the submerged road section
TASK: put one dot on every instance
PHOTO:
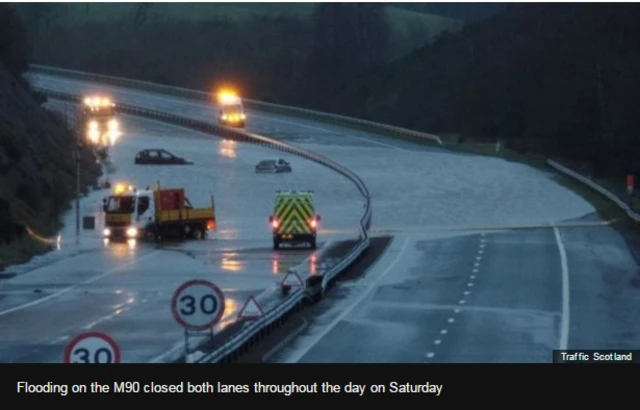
(125, 289)
(440, 293)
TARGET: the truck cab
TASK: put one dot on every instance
(294, 220)
(231, 111)
(127, 212)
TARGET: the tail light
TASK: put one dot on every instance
(314, 223)
(211, 225)
(274, 223)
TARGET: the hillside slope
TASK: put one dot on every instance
(462, 11)
(410, 28)
(558, 79)
(91, 13)
(37, 171)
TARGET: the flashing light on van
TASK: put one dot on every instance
(228, 97)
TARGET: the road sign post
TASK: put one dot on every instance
(197, 305)
(92, 347)
(250, 310)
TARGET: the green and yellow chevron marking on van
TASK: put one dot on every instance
(294, 213)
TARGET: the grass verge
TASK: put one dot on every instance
(20, 251)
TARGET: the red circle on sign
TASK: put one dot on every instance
(217, 293)
(89, 335)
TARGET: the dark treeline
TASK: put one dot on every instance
(37, 167)
(291, 60)
(558, 79)
(13, 43)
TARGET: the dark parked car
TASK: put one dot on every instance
(273, 166)
(159, 157)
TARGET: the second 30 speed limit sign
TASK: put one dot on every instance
(92, 347)
(197, 305)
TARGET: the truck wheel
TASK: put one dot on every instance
(276, 244)
(312, 243)
(197, 233)
(150, 235)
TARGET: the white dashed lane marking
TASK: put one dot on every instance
(466, 292)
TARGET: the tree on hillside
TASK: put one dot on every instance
(346, 40)
(373, 35)
(141, 14)
(40, 16)
(13, 44)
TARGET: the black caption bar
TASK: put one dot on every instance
(596, 356)
(304, 383)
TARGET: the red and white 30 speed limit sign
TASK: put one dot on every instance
(197, 305)
(92, 347)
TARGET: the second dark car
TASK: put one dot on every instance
(159, 157)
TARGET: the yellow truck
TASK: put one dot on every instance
(153, 214)
(294, 220)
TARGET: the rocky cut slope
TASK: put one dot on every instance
(37, 170)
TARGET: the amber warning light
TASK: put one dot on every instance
(227, 96)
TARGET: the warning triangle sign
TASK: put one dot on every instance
(292, 279)
(250, 310)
